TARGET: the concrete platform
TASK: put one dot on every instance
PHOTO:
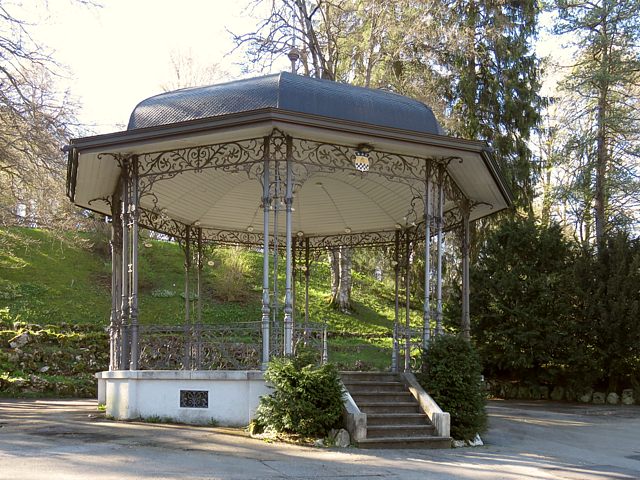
(71, 440)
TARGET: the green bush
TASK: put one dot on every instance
(452, 377)
(306, 401)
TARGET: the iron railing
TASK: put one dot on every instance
(235, 346)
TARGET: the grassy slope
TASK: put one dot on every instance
(54, 279)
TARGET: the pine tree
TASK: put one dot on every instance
(605, 85)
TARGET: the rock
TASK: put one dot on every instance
(476, 442)
(557, 393)
(319, 442)
(613, 398)
(20, 340)
(14, 357)
(628, 397)
(585, 397)
(19, 382)
(44, 369)
(599, 398)
(37, 384)
(459, 444)
(342, 438)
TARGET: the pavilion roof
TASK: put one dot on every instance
(204, 142)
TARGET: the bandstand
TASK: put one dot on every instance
(282, 163)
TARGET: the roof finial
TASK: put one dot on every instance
(294, 56)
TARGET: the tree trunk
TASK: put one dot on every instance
(601, 170)
(601, 144)
(334, 262)
(340, 260)
(344, 291)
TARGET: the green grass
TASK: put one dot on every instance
(57, 279)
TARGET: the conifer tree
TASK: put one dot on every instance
(605, 86)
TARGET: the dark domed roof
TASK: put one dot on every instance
(287, 92)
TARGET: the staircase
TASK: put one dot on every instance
(394, 417)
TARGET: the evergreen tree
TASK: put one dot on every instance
(604, 84)
(493, 75)
(609, 309)
(523, 304)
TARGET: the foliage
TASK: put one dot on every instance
(609, 307)
(36, 119)
(54, 360)
(451, 375)
(306, 401)
(493, 80)
(231, 282)
(547, 313)
(522, 303)
(598, 125)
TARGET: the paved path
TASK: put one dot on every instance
(68, 439)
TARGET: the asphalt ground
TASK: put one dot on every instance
(70, 439)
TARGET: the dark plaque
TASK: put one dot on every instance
(194, 398)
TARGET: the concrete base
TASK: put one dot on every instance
(232, 396)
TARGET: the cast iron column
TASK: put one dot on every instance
(198, 329)
(266, 203)
(428, 217)
(124, 301)
(395, 353)
(186, 358)
(115, 338)
(307, 274)
(288, 302)
(440, 251)
(466, 320)
(134, 206)
(407, 348)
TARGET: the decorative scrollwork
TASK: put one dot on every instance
(212, 347)
(231, 237)
(305, 157)
(194, 398)
(329, 158)
(160, 223)
(106, 200)
(228, 156)
(361, 239)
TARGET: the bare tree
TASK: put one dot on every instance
(187, 72)
(35, 121)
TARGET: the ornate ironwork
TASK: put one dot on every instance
(106, 200)
(360, 239)
(194, 399)
(227, 156)
(307, 158)
(161, 223)
(330, 158)
(214, 347)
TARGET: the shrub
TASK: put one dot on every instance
(306, 401)
(451, 375)
(231, 281)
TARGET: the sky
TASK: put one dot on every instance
(119, 54)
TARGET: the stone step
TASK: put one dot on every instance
(360, 397)
(356, 387)
(388, 407)
(348, 377)
(394, 431)
(375, 419)
(406, 442)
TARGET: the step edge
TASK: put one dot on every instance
(404, 439)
